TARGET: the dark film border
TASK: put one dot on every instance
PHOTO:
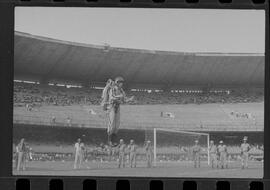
(7, 181)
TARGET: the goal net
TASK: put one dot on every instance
(176, 145)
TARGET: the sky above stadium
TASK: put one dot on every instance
(183, 30)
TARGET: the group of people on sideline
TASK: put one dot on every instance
(126, 154)
(218, 154)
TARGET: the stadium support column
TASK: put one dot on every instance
(155, 146)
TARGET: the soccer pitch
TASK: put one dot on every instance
(182, 169)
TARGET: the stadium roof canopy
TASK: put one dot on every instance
(46, 59)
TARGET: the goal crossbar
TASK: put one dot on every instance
(185, 132)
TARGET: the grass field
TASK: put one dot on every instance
(162, 169)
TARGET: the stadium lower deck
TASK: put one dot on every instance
(162, 169)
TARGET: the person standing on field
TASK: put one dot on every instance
(149, 154)
(213, 154)
(132, 153)
(245, 147)
(21, 155)
(196, 151)
(16, 156)
(222, 150)
(79, 151)
(121, 151)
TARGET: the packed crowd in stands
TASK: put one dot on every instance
(197, 98)
(34, 95)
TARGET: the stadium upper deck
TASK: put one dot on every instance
(45, 59)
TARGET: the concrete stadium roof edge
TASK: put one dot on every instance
(44, 58)
(47, 39)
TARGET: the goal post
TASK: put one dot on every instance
(173, 144)
(155, 146)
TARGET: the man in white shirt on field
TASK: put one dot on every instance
(245, 147)
(213, 154)
(79, 150)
